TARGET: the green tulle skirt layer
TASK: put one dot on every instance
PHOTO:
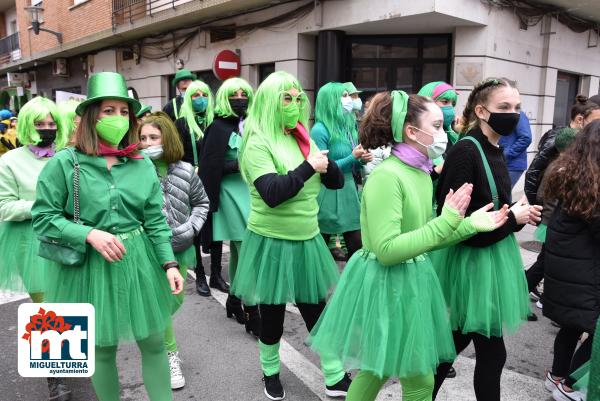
(21, 269)
(540, 233)
(276, 271)
(388, 320)
(485, 288)
(131, 297)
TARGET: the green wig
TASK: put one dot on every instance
(67, 113)
(187, 110)
(36, 110)
(229, 88)
(439, 90)
(265, 117)
(329, 112)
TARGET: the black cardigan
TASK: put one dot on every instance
(572, 271)
(186, 139)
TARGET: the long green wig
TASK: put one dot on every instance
(67, 113)
(265, 117)
(329, 112)
(36, 110)
(187, 110)
(229, 88)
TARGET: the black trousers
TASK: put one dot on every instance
(216, 252)
(566, 358)
(352, 238)
(490, 357)
(535, 274)
(272, 317)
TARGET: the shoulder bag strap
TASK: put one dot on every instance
(175, 111)
(75, 186)
(488, 172)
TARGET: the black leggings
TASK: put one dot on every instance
(272, 317)
(353, 241)
(566, 359)
(216, 252)
(535, 273)
(490, 356)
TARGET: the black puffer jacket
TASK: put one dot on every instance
(572, 271)
(546, 154)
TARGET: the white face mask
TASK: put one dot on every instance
(438, 147)
(347, 104)
(154, 152)
(356, 104)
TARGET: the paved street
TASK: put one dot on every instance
(220, 360)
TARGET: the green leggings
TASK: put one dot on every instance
(234, 249)
(155, 371)
(365, 387)
(170, 342)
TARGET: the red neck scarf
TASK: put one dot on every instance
(106, 150)
(302, 138)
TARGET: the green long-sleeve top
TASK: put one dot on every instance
(118, 200)
(395, 215)
(339, 150)
(19, 171)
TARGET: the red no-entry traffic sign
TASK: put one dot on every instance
(227, 64)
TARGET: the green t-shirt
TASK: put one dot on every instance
(294, 219)
(117, 201)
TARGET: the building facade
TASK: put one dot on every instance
(377, 44)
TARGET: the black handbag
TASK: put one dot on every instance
(52, 249)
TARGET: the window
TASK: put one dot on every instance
(264, 70)
(566, 91)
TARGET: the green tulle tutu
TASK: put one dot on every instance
(339, 210)
(540, 233)
(388, 320)
(276, 271)
(131, 297)
(485, 288)
(186, 259)
(21, 269)
(582, 375)
(229, 222)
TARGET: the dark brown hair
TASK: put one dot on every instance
(376, 125)
(86, 137)
(574, 178)
(172, 145)
(480, 95)
(583, 106)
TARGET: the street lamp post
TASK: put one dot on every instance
(36, 12)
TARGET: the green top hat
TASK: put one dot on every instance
(351, 88)
(183, 74)
(107, 85)
(145, 109)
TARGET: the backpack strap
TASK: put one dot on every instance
(175, 110)
(488, 172)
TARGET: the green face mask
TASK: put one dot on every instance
(112, 129)
(291, 114)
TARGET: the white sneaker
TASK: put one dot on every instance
(177, 379)
(551, 383)
(560, 394)
(539, 305)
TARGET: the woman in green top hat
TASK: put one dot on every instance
(197, 112)
(129, 271)
(227, 191)
(42, 132)
(387, 316)
(483, 277)
(183, 78)
(283, 258)
(334, 131)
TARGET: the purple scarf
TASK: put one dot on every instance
(42, 152)
(412, 157)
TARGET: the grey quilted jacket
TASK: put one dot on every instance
(185, 204)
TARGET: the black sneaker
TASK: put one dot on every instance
(273, 388)
(451, 373)
(58, 390)
(339, 389)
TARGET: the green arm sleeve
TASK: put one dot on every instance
(48, 216)
(11, 207)
(384, 202)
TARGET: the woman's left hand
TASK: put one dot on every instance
(535, 214)
(175, 280)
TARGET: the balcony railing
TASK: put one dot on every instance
(130, 10)
(10, 49)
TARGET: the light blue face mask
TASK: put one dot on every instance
(448, 112)
(357, 104)
(199, 104)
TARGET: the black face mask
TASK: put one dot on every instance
(503, 123)
(239, 106)
(47, 137)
